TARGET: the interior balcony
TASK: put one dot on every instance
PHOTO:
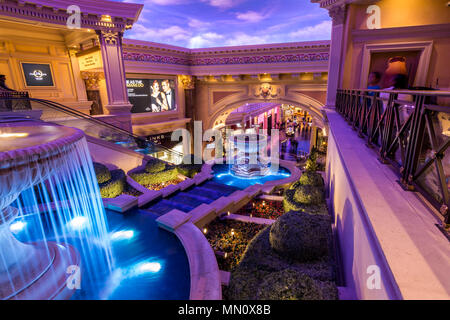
(387, 172)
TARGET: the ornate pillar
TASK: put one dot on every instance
(188, 83)
(114, 70)
(92, 83)
(338, 14)
(79, 83)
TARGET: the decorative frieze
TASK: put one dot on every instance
(255, 59)
(133, 56)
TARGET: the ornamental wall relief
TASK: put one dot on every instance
(266, 91)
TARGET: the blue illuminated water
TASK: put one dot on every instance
(222, 174)
(118, 256)
(191, 198)
(149, 263)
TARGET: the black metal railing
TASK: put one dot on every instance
(14, 101)
(411, 130)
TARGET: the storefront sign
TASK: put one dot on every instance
(90, 61)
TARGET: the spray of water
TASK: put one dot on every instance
(60, 226)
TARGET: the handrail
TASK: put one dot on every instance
(412, 136)
(404, 91)
(79, 114)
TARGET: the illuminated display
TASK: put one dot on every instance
(37, 74)
(151, 95)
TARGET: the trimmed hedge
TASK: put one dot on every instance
(301, 236)
(244, 284)
(189, 170)
(289, 284)
(145, 178)
(307, 194)
(311, 162)
(115, 186)
(155, 165)
(101, 172)
(190, 165)
(290, 204)
(260, 261)
(311, 178)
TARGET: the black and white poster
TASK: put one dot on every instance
(151, 95)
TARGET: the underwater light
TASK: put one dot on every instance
(13, 135)
(78, 222)
(17, 226)
(122, 235)
(147, 267)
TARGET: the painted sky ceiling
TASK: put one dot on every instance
(212, 23)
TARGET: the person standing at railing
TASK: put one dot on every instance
(399, 82)
(374, 81)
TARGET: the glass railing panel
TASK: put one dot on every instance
(95, 127)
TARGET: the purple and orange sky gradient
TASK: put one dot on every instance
(213, 23)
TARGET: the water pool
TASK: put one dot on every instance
(222, 174)
(149, 262)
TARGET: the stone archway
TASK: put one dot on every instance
(225, 106)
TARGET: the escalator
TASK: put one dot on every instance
(108, 128)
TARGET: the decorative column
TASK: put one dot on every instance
(338, 14)
(114, 70)
(265, 121)
(92, 83)
(189, 94)
(79, 83)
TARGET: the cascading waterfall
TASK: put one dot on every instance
(53, 231)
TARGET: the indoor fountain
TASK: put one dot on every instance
(250, 160)
(31, 154)
(56, 239)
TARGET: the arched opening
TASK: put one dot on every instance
(298, 129)
(223, 108)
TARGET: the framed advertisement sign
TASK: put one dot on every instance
(37, 74)
(151, 95)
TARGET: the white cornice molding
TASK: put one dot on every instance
(54, 13)
(97, 7)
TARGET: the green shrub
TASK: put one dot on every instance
(101, 172)
(260, 261)
(155, 165)
(311, 162)
(260, 255)
(290, 204)
(301, 236)
(289, 285)
(308, 194)
(311, 178)
(146, 178)
(115, 186)
(189, 170)
(244, 284)
(309, 198)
